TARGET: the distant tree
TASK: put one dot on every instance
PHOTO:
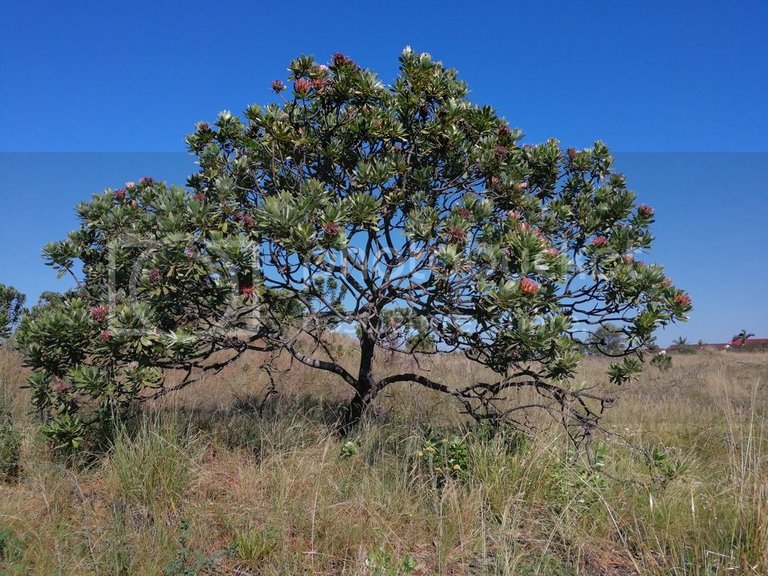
(608, 339)
(11, 309)
(741, 338)
(351, 200)
(681, 341)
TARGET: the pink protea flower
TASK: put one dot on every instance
(645, 210)
(120, 194)
(147, 181)
(456, 234)
(331, 229)
(318, 84)
(278, 86)
(203, 127)
(130, 185)
(522, 185)
(667, 282)
(339, 59)
(552, 251)
(528, 287)
(302, 86)
(247, 290)
(105, 336)
(59, 385)
(600, 241)
(504, 130)
(199, 196)
(501, 152)
(248, 220)
(628, 258)
(464, 212)
(682, 300)
(514, 215)
(154, 276)
(571, 153)
(99, 313)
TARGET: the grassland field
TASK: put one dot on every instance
(217, 480)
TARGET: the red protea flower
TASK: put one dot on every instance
(99, 313)
(105, 336)
(204, 127)
(302, 86)
(528, 287)
(505, 130)
(248, 220)
(318, 84)
(464, 212)
(59, 385)
(501, 152)
(600, 241)
(278, 86)
(147, 181)
(645, 210)
(247, 290)
(154, 276)
(682, 300)
(456, 234)
(339, 59)
(199, 196)
(120, 194)
(571, 153)
(331, 229)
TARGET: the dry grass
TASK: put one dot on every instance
(212, 482)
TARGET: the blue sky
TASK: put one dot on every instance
(93, 94)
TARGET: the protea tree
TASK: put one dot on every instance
(403, 212)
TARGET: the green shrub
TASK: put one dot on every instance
(254, 546)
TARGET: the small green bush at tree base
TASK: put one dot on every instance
(405, 212)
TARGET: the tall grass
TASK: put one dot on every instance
(208, 484)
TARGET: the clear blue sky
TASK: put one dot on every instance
(96, 93)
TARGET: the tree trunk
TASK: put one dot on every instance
(365, 388)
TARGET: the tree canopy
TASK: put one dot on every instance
(11, 309)
(404, 212)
